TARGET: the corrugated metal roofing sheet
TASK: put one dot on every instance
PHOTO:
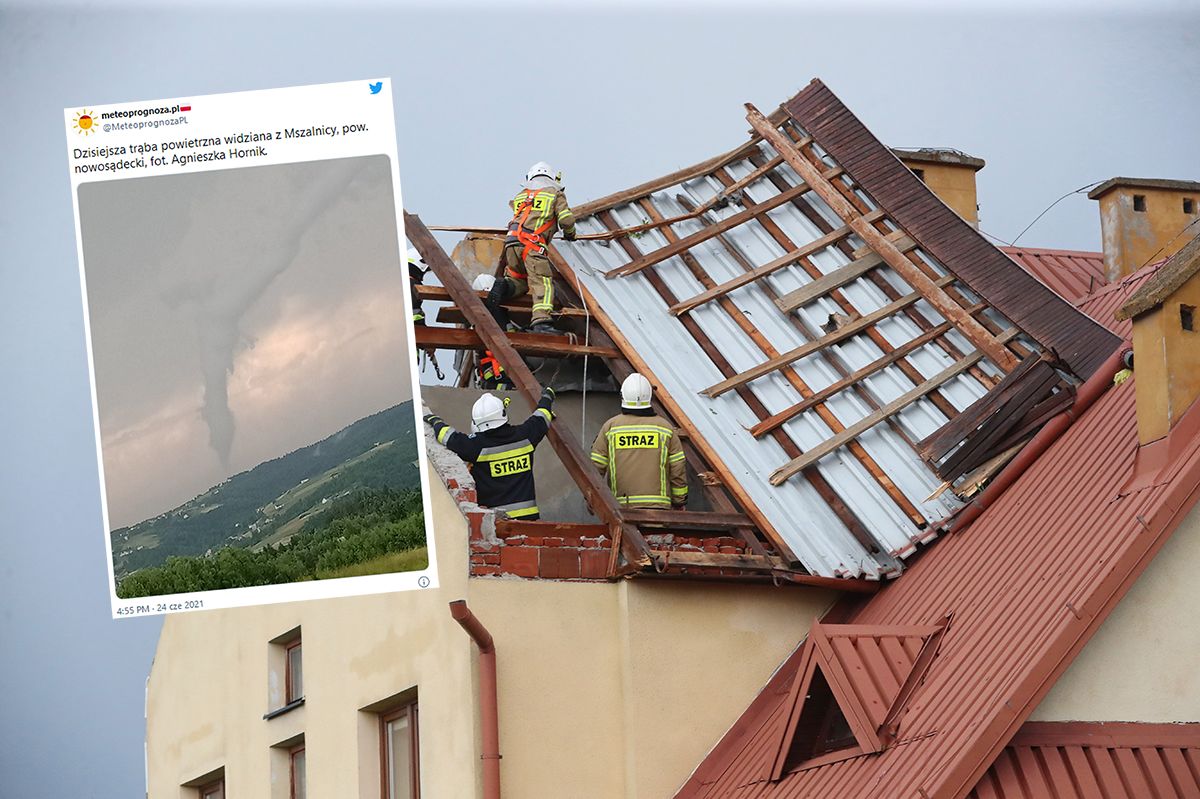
(865, 505)
(1028, 583)
(1071, 273)
(1079, 760)
(1023, 299)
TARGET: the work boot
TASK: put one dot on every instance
(497, 294)
(546, 327)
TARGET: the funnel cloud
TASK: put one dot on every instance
(237, 315)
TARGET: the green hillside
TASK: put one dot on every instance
(275, 500)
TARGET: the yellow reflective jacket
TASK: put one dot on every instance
(643, 460)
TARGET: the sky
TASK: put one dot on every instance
(1052, 100)
(236, 316)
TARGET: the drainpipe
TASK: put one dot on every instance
(488, 710)
(1087, 395)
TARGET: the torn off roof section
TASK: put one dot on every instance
(815, 313)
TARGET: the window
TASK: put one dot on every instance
(1187, 317)
(295, 672)
(822, 727)
(285, 674)
(920, 173)
(399, 749)
(213, 790)
(1189, 205)
(1139, 202)
(299, 788)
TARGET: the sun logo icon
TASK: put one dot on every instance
(85, 122)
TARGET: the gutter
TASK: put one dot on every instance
(1088, 393)
(488, 708)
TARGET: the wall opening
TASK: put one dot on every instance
(1189, 205)
(1187, 317)
(1139, 202)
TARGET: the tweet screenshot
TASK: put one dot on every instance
(250, 347)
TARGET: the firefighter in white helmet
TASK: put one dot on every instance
(489, 372)
(499, 454)
(539, 210)
(640, 453)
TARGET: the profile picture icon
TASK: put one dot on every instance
(85, 122)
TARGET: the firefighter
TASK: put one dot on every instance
(640, 453)
(416, 276)
(491, 374)
(539, 210)
(500, 455)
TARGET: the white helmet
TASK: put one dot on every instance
(483, 283)
(540, 169)
(488, 412)
(635, 392)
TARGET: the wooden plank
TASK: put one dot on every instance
(664, 396)
(462, 338)
(708, 232)
(720, 560)
(852, 432)
(837, 278)
(570, 453)
(793, 377)
(687, 520)
(975, 332)
(889, 358)
(938, 444)
(785, 260)
(453, 315)
(853, 327)
(790, 448)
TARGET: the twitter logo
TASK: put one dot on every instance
(375, 87)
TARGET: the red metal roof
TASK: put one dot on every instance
(1070, 273)
(1103, 303)
(1028, 583)
(1081, 760)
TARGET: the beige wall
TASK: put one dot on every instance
(1144, 662)
(606, 689)
(1132, 238)
(954, 184)
(1168, 362)
(209, 688)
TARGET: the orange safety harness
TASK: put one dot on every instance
(489, 367)
(531, 240)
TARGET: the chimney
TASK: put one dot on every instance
(1141, 220)
(950, 174)
(1166, 342)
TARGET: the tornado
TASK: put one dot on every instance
(240, 238)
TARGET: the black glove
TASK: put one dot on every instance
(569, 235)
(548, 395)
(432, 419)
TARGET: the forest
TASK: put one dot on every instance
(359, 530)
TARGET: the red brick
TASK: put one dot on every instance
(521, 561)
(492, 558)
(731, 550)
(534, 540)
(711, 548)
(593, 563)
(552, 541)
(515, 541)
(484, 571)
(559, 563)
(572, 541)
(475, 525)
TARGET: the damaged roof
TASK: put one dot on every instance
(1026, 585)
(817, 314)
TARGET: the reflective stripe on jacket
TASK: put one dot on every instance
(643, 461)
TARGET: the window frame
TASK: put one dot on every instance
(298, 749)
(289, 691)
(408, 709)
(206, 791)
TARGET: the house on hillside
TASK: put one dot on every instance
(936, 549)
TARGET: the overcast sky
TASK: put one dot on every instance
(238, 315)
(1052, 102)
